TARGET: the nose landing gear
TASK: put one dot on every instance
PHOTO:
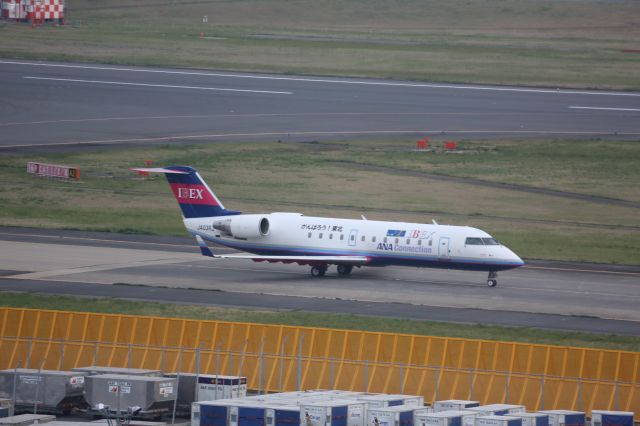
(492, 279)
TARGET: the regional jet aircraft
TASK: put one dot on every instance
(323, 241)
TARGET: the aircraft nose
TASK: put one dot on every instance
(515, 258)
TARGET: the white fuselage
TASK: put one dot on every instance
(384, 243)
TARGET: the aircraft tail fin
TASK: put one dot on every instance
(194, 196)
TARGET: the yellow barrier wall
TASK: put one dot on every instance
(488, 371)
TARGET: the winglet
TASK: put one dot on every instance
(204, 249)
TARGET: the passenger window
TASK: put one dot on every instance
(385, 240)
(490, 242)
(353, 238)
(373, 239)
(419, 242)
(408, 241)
(331, 236)
(430, 243)
(320, 235)
(309, 235)
(397, 240)
(362, 239)
(341, 237)
(473, 241)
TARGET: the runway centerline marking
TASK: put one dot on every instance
(332, 81)
(605, 108)
(170, 86)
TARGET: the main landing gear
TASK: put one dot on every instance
(344, 269)
(320, 270)
(492, 281)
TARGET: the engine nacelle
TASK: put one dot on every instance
(244, 226)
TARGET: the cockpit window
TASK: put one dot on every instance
(474, 241)
(490, 242)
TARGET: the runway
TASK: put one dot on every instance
(56, 105)
(580, 297)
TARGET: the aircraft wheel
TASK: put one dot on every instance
(492, 283)
(344, 269)
(318, 271)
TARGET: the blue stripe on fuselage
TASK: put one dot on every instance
(377, 259)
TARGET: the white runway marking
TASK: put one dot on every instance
(332, 81)
(605, 108)
(170, 86)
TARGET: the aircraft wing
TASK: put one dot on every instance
(302, 260)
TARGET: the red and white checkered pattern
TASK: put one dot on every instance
(43, 9)
(53, 9)
(11, 9)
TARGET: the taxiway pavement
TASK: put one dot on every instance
(550, 295)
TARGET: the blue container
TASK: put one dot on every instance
(213, 415)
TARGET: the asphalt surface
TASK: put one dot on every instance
(565, 296)
(70, 105)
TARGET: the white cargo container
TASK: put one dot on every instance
(468, 417)
(565, 417)
(499, 409)
(210, 413)
(413, 400)
(534, 419)
(454, 404)
(381, 400)
(443, 418)
(399, 415)
(27, 419)
(611, 418)
(501, 420)
(332, 412)
(283, 415)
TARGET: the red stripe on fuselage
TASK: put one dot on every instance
(187, 193)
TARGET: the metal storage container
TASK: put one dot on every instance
(445, 418)
(454, 404)
(534, 419)
(52, 391)
(333, 413)
(207, 387)
(381, 400)
(247, 413)
(501, 420)
(400, 415)
(94, 370)
(27, 419)
(132, 422)
(468, 417)
(284, 415)
(6, 407)
(565, 417)
(499, 409)
(210, 413)
(611, 418)
(153, 396)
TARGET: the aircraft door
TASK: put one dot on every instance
(353, 237)
(443, 248)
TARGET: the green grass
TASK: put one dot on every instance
(305, 319)
(546, 42)
(311, 178)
